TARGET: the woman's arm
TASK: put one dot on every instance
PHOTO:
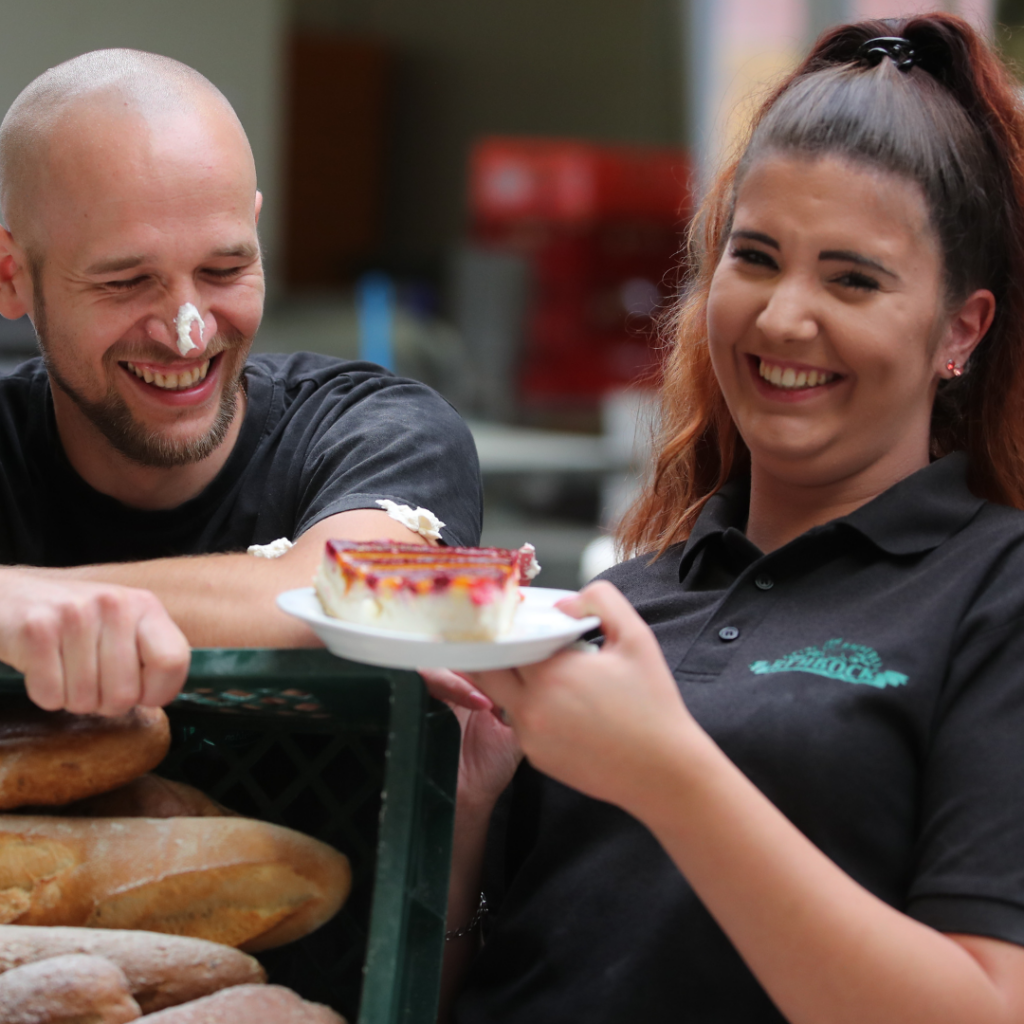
(488, 759)
(824, 948)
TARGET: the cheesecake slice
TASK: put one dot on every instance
(445, 593)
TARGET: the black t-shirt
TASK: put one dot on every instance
(868, 677)
(320, 436)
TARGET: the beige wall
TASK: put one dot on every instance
(602, 69)
(235, 43)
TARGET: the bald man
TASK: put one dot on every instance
(143, 453)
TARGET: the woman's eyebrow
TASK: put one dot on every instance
(756, 236)
(847, 256)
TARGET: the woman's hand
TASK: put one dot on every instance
(597, 722)
(490, 752)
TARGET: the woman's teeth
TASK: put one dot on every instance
(787, 377)
(171, 381)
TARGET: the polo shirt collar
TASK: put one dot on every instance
(919, 513)
(911, 517)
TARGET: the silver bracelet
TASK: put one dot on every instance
(472, 925)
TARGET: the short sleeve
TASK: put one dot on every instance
(368, 437)
(970, 864)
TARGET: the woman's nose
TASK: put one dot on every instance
(790, 313)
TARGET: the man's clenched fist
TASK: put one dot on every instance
(89, 648)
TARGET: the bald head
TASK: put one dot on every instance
(79, 110)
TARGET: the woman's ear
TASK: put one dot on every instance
(967, 326)
(14, 297)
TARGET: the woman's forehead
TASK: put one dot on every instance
(804, 195)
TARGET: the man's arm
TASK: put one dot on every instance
(103, 638)
(229, 600)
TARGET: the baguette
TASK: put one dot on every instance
(71, 989)
(244, 883)
(162, 970)
(257, 1004)
(54, 757)
(148, 796)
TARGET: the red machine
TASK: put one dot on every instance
(601, 227)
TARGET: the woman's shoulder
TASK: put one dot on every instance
(642, 573)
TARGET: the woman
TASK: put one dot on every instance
(791, 784)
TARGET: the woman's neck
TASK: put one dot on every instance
(781, 510)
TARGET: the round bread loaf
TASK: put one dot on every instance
(73, 989)
(148, 796)
(249, 1004)
(53, 757)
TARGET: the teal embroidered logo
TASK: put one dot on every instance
(837, 659)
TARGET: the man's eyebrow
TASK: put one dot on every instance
(243, 251)
(847, 256)
(116, 264)
(756, 236)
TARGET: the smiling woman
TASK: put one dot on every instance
(789, 785)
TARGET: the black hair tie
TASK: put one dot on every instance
(896, 48)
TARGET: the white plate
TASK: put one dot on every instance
(539, 631)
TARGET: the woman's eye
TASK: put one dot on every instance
(854, 279)
(753, 257)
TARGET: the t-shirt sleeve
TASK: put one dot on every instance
(372, 437)
(970, 865)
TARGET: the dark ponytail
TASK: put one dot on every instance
(953, 124)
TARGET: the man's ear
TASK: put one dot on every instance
(259, 205)
(967, 327)
(15, 291)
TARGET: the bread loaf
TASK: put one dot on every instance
(247, 1004)
(162, 970)
(148, 796)
(70, 989)
(233, 880)
(54, 757)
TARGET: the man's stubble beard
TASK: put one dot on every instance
(114, 420)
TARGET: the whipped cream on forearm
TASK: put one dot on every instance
(187, 316)
(419, 520)
(275, 549)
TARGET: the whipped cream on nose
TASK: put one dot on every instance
(187, 316)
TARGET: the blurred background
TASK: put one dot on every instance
(487, 195)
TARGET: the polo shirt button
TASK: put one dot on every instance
(728, 633)
(764, 582)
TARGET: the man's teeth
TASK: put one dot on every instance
(171, 381)
(793, 379)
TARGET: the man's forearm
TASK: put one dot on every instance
(216, 600)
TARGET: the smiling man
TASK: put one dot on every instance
(143, 453)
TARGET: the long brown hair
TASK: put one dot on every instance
(954, 125)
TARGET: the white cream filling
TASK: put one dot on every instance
(187, 316)
(275, 549)
(172, 381)
(532, 565)
(419, 520)
(787, 377)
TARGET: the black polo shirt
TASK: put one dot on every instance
(868, 677)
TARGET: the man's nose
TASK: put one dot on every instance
(182, 324)
(790, 313)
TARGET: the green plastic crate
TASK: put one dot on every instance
(357, 756)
